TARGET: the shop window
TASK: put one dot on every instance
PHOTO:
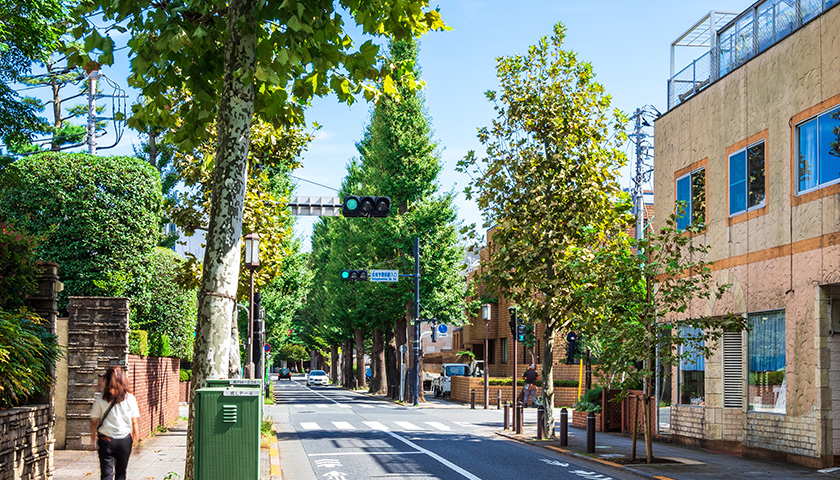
(746, 179)
(491, 352)
(692, 369)
(766, 350)
(504, 350)
(818, 151)
(691, 199)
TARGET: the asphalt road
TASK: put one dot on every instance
(333, 434)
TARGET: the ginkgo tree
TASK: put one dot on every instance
(239, 60)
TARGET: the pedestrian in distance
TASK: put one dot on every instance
(113, 423)
(530, 388)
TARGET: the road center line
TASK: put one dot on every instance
(434, 455)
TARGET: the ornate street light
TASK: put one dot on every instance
(486, 310)
(252, 262)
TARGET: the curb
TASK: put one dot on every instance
(274, 456)
(585, 458)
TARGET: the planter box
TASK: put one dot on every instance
(579, 420)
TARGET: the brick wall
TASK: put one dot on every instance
(184, 391)
(155, 382)
(461, 387)
(26, 447)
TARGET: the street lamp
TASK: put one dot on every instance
(512, 311)
(252, 262)
(485, 314)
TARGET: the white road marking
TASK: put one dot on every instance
(320, 405)
(376, 426)
(363, 453)
(466, 424)
(435, 456)
(438, 426)
(409, 426)
(366, 406)
(309, 426)
(344, 406)
(298, 405)
(344, 425)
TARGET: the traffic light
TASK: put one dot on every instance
(354, 275)
(434, 332)
(512, 323)
(521, 333)
(354, 206)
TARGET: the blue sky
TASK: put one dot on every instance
(626, 42)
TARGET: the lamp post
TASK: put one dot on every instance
(252, 262)
(485, 314)
(512, 311)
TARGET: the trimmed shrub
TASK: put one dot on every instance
(138, 343)
(185, 375)
(28, 352)
(521, 382)
(17, 268)
(159, 345)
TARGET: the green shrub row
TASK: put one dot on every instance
(767, 378)
(557, 383)
(138, 343)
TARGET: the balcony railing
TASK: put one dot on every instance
(750, 33)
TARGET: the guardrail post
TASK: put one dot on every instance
(564, 427)
(507, 415)
(590, 432)
(519, 422)
(540, 420)
(472, 399)
(498, 399)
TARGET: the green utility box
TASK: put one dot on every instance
(227, 432)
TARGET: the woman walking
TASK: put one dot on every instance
(113, 424)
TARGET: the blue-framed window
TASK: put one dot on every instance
(818, 151)
(746, 179)
(691, 198)
(766, 350)
(692, 368)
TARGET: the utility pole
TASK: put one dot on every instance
(416, 370)
(91, 123)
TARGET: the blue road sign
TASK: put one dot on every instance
(384, 275)
(442, 328)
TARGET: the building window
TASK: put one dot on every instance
(504, 350)
(746, 179)
(692, 369)
(691, 199)
(491, 352)
(766, 349)
(818, 151)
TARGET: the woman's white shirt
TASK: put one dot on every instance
(118, 422)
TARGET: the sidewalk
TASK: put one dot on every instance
(161, 457)
(686, 463)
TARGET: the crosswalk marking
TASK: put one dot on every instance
(409, 426)
(298, 405)
(438, 426)
(344, 406)
(309, 426)
(466, 424)
(343, 425)
(321, 405)
(366, 406)
(376, 426)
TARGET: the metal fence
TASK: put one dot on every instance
(749, 34)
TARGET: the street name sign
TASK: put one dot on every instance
(384, 275)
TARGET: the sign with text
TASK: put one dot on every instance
(384, 275)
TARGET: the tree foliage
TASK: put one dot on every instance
(98, 216)
(28, 352)
(17, 267)
(548, 184)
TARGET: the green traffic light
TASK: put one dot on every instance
(345, 274)
(352, 204)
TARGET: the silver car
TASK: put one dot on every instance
(317, 377)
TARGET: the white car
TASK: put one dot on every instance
(317, 377)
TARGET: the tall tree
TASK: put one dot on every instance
(29, 31)
(548, 184)
(239, 59)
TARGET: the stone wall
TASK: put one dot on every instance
(26, 446)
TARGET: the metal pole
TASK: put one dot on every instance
(519, 421)
(91, 123)
(416, 373)
(590, 432)
(498, 399)
(250, 347)
(507, 415)
(472, 399)
(564, 427)
(486, 365)
(640, 196)
(540, 421)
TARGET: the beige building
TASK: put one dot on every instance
(751, 144)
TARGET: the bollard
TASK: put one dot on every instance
(564, 428)
(540, 421)
(507, 415)
(472, 399)
(519, 415)
(498, 399)
(590, 432)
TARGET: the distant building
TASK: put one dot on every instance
(751, 144)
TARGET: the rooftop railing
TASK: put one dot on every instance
(750, 33)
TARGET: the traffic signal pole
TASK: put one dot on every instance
(416, 370)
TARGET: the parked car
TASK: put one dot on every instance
(442, 384)
(317, 377)
(367, 374)
(285, 373)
